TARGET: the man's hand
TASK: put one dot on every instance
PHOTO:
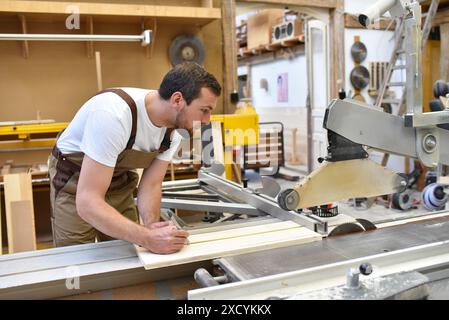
(159, 224)
(164, 237)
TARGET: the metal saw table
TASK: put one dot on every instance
(334, 250)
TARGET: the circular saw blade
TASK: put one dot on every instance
(186, 48)
(346, 228)
(358, 52)
(359, 77)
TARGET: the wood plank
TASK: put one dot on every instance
(226, 247)
(229, 49)
(237, 232)
(352, 22)
(21, 227)
(98, 70)
(60, 7)
(336, 47)
(17, 188)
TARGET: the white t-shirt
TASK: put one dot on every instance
(102, 127)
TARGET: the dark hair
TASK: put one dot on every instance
(188, 78)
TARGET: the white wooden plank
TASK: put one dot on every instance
(17, 188)
(225, 247)
(237, 232)
(23, 237)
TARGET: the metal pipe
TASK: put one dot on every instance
(145, 37)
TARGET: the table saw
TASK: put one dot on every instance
(53, 273)
(356, 259)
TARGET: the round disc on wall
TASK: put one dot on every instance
(359, 77)
(186, 47)
(358, 52)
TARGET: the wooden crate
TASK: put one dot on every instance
(260, 25)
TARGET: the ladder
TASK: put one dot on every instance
(397, 51)
(392, 65)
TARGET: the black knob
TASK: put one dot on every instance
(366, 269)
(440, 88)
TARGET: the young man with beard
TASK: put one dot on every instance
(92, 177)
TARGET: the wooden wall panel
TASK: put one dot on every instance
(58, 77)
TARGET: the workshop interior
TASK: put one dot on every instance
(321, 175)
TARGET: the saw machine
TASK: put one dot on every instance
(406, 261)
(393, 259)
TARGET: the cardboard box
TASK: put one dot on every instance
(260, 27)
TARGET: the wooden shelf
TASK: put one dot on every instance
(270, 53)
(294, 43)
(199, 15)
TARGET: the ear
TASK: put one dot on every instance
(177, 100)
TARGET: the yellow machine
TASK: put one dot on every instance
(238, 130)
(29, 134)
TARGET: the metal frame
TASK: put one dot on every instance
(211, 206)
(260, 202)
(43, 274)
(284, 285)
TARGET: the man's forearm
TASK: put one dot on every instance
(109, 221)
(149, 204)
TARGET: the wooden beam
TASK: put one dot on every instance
(305, 3)
(336, 34)
(151, 25)
(60, 7)
(352, 22)
(98, 69)
(229, 54)
(444, 52)
(21, 227)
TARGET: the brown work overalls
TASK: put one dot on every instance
(64, 169)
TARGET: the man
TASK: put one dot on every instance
(114, 132)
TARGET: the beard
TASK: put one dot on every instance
(181, 122)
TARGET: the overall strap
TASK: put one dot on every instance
(132, 105)
(165, 144)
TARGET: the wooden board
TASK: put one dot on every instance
(18, 188)
(23, 237)
(235, 233)
(240, 240)
(123, 9)
(259, 27)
